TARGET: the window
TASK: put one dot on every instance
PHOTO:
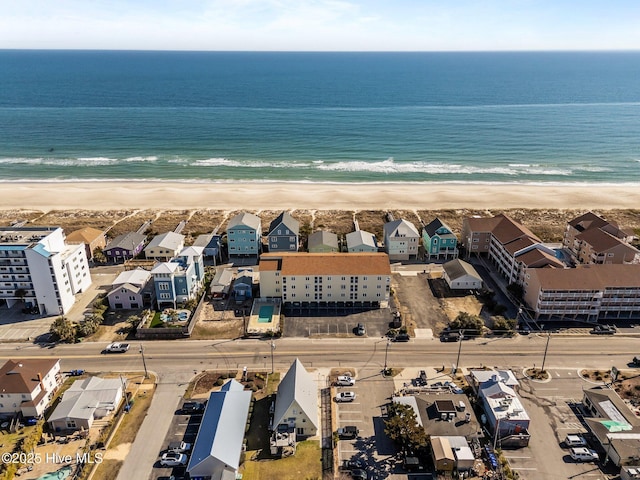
(476, 240)
(163, 286)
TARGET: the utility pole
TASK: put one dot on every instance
(273, 347)
(144, 363)
(386, 353)
(459, 350)
(544, 358)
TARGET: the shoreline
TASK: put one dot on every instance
(46, 196)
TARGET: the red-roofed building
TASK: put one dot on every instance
(28, 385)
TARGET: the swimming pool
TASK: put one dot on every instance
(61, 474)
(265, 314)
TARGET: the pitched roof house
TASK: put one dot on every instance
(361, 241)
(28, 385)
(461, 275)
(218, 446)
(283, 234)
(244, 235)
(132, 289)
(439, 241)
(86, 400)
(297, 401)
(91, 237)
(164, 247)
(401, 240)
(323, 242)
(124, 247)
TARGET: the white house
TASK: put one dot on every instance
(86, 400)
(28, 385)
(401, 240)
(461, 275)
(216, 452)
(164, 247)
(39, 267)
(297, 401)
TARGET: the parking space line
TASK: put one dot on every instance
(523, 468)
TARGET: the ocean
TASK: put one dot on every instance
(526, 117)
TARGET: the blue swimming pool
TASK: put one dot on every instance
(265, 314)
(61, 474)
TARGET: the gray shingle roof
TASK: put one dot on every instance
(128, 241)
(297, 386)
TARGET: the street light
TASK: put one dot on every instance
(144, 363)
(386, 353)
(459, 350)
(273, 347)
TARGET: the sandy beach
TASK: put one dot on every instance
(257, 196)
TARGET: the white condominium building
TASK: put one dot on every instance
(39, 267)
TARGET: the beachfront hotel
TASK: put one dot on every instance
(326, 279)
(38, 267)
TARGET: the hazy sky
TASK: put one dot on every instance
(321, 24)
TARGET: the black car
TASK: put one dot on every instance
(402, 337)
(635, 362)
(603, 330)
(450, 337)
(352, 464)
(359, 474)
(348, 432)
(192, 407)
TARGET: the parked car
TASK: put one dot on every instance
(402, 337)
(192, 407)
(575, 441)
(359, 474)
(450, 337)
(583, 454)
(31, 310)
(117, 347)
(173, 459)
(636, 361)
(179, 447)
(345, 381)
(603, 330)
(348, 432)
(352, 464)
(453, 387)
(361, 330)
(76, 373)
(345, 396)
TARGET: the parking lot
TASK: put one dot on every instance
(376, 323)
(183, 428)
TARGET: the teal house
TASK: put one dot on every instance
(438, 241)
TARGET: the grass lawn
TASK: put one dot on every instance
(133, 420)
(156, 322)
(306, 463)
(107, 470)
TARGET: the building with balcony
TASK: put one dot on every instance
(326, 279)
(401, 239)
(180, 279)
(244, 235)
(589, 293)
(38, 267)
(28, 385)
(439, 241)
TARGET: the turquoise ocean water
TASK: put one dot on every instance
(563, 117)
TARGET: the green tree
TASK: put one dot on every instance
(402, 427)
(21, 293)
(469, 323)
(63, 329)
(503, 325)
(133, 321)
(99, 256)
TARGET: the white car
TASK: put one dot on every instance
(173, 459)
(346, 397)
(117, 348)
(582, 454)
(345, 381)
(575, 441)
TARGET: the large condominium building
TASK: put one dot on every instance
(589, 293)
(591, 239)
(37, 266)
(317, 279)
(509, 245)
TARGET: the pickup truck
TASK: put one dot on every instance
(350, 431)
(117, 348)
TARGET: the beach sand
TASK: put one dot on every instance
(276, 196)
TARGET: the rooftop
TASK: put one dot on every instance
(588, 277)
(300, 263)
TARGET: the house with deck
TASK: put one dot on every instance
(125, 247)
(401, 239)
(164, 247)
(244, 235)
(283, 234)
(439, 241)
(180, 279)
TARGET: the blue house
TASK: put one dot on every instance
(244, 235)
(439, 241)
(284, 234)
(179, 280)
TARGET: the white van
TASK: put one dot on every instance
(582, 454)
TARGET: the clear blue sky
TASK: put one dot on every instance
(354, 25)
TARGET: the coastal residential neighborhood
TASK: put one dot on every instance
(409, 281)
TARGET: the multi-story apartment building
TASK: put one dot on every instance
(37, 266)
(510, 246)
(317, 279)
(28, 385)
(401, 239)
(244, 235)
(590, 239)
(589, 293)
